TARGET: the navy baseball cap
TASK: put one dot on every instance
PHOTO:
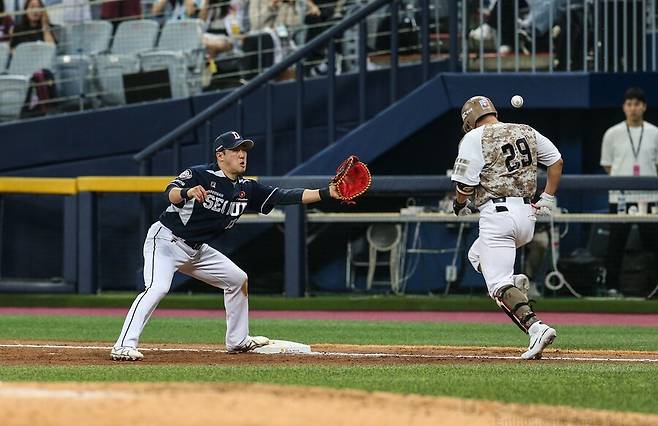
(232, 140)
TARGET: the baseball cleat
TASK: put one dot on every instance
(126, 353)
(252, 343)
(541, 336)
(522, 282)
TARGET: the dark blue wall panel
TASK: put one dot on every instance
(88, 135)
(539, 90)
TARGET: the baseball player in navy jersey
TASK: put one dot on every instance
(206, 201)
(497, 168)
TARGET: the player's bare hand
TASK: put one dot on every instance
(198, 193)
(333, 192)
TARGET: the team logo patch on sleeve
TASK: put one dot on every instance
(187, 174)
(461, 166)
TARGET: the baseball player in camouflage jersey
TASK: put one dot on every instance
(206, 201)
(497, 168)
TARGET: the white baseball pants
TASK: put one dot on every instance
(164, 254)
(501, 233)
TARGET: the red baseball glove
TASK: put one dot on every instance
(352, 178)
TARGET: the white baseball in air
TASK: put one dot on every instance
(517, 101)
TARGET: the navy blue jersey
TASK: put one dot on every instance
(226, 200)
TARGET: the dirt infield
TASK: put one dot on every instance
(76, 353)
(192, 404)
(54, 404)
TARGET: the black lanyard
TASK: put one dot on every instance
(639, 144)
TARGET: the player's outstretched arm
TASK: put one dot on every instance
(314, 195)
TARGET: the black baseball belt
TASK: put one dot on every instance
(500, 209)
(192, 244)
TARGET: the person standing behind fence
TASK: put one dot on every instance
(630, 148)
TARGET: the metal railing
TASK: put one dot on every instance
(296, 58)
(203, 119)
(558, 35)
(81, 80)
(570, 35)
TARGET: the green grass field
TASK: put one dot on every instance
(624, 387)
(333, 303)
(205, 330)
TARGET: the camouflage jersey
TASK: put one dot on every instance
(500, 160)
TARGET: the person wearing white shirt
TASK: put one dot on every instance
(630, 148)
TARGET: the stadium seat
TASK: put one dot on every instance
(75, 70)
(30, 57)
(261, 49)
(180, 50)
(4, 56)
(111, 69)
(74, 77)
(131, 38)
(87, 38)
(13, 90)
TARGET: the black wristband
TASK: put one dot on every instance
(457, 206)
(183, 194)
(324, 193)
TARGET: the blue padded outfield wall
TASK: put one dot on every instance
(417, 135)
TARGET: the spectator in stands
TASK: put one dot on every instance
(117, 11)
(222, 21)
(174, 9)
(279, 13)
(6, 24)
(217, 15)
(76, 11)
(630, 148)
(539, 13)
(35, 26)
(319, 18)
(13, 9)
(489, 28)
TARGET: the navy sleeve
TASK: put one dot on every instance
(264, 198)
(187, 179)
(261, 198)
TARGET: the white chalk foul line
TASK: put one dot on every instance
(107, 348)
(27, 392)
(480, 357)
(349, 354)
